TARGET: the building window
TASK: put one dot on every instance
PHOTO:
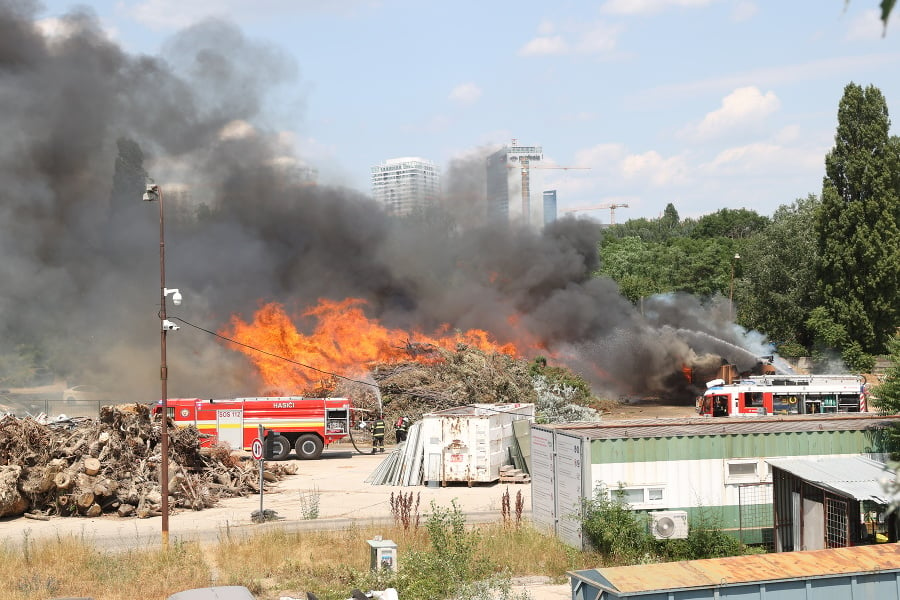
(643, 496)
(744, 470)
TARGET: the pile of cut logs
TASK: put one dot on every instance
(90, 467)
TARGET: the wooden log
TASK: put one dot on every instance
(63, 481)
(125, 510)
(83, 480)
(84, 500)
(36, 517)
(94, 510)
(100, 489)
(91, 466)
(12, 503)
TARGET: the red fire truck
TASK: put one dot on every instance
(784, 395)
(305, 424)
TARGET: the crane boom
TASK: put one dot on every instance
(526, 167)
(611, 206)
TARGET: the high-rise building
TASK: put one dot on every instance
(514, 185)
(402, 185)
(549, 206)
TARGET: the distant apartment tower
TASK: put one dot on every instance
(549, 206)
(514, 185)
(402, 185)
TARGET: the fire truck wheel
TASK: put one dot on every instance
(309, 446)
(281, 447)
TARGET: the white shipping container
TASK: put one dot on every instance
(470, 443)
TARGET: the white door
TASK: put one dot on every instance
(230, 427)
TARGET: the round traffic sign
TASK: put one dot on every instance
(256, 449)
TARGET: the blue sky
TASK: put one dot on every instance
(705, 104)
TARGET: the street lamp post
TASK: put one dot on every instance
(154, 194)
(737, 257)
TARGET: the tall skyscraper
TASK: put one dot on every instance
(514, 185)
(402, 185)
(549, 206)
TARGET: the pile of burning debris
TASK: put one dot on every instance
(446, 380)
(89, 467)
(466, 375)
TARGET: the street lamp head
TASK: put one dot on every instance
(737, 256)
(151, 192)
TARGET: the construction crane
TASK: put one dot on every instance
(612, 210)
(526, 167)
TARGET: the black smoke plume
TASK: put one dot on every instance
(84, 124)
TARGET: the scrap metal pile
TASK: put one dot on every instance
(89, 467)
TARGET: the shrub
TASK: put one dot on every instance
(705, 540)
(614, 529)
(450, 563)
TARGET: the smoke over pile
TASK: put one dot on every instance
(84, 123)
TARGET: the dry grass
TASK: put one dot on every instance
(71, 567)
(526, 551)
(271, 564)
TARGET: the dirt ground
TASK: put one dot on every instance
(648, 409)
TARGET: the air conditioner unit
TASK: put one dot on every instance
(669, 525)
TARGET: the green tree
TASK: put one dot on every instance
(886, 7)
(731, 223)
(781, 292)
(887, 394)
(886, 397)
(635, 265)
(857, 226)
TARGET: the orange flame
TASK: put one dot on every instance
(343, 341)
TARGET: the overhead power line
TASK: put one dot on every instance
(284, 358)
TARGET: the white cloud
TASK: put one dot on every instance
(653, 167)
(546, 28)
(764, 157)
(788, 134)
(543, 46)
(847, 66)
(465, 93)
(866, 26)
(743, 11)
(599, 39)
(648, 7)
(582, 38)
(742, 107)
(599, 155)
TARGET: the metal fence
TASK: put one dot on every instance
(756, 515)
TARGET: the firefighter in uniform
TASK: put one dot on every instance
(378, 436)
(402, 428)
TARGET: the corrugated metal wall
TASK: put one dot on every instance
(794, 443)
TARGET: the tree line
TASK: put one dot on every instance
(819, 277)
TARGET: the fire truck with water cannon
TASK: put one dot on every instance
(306, 425)
(783, 394)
